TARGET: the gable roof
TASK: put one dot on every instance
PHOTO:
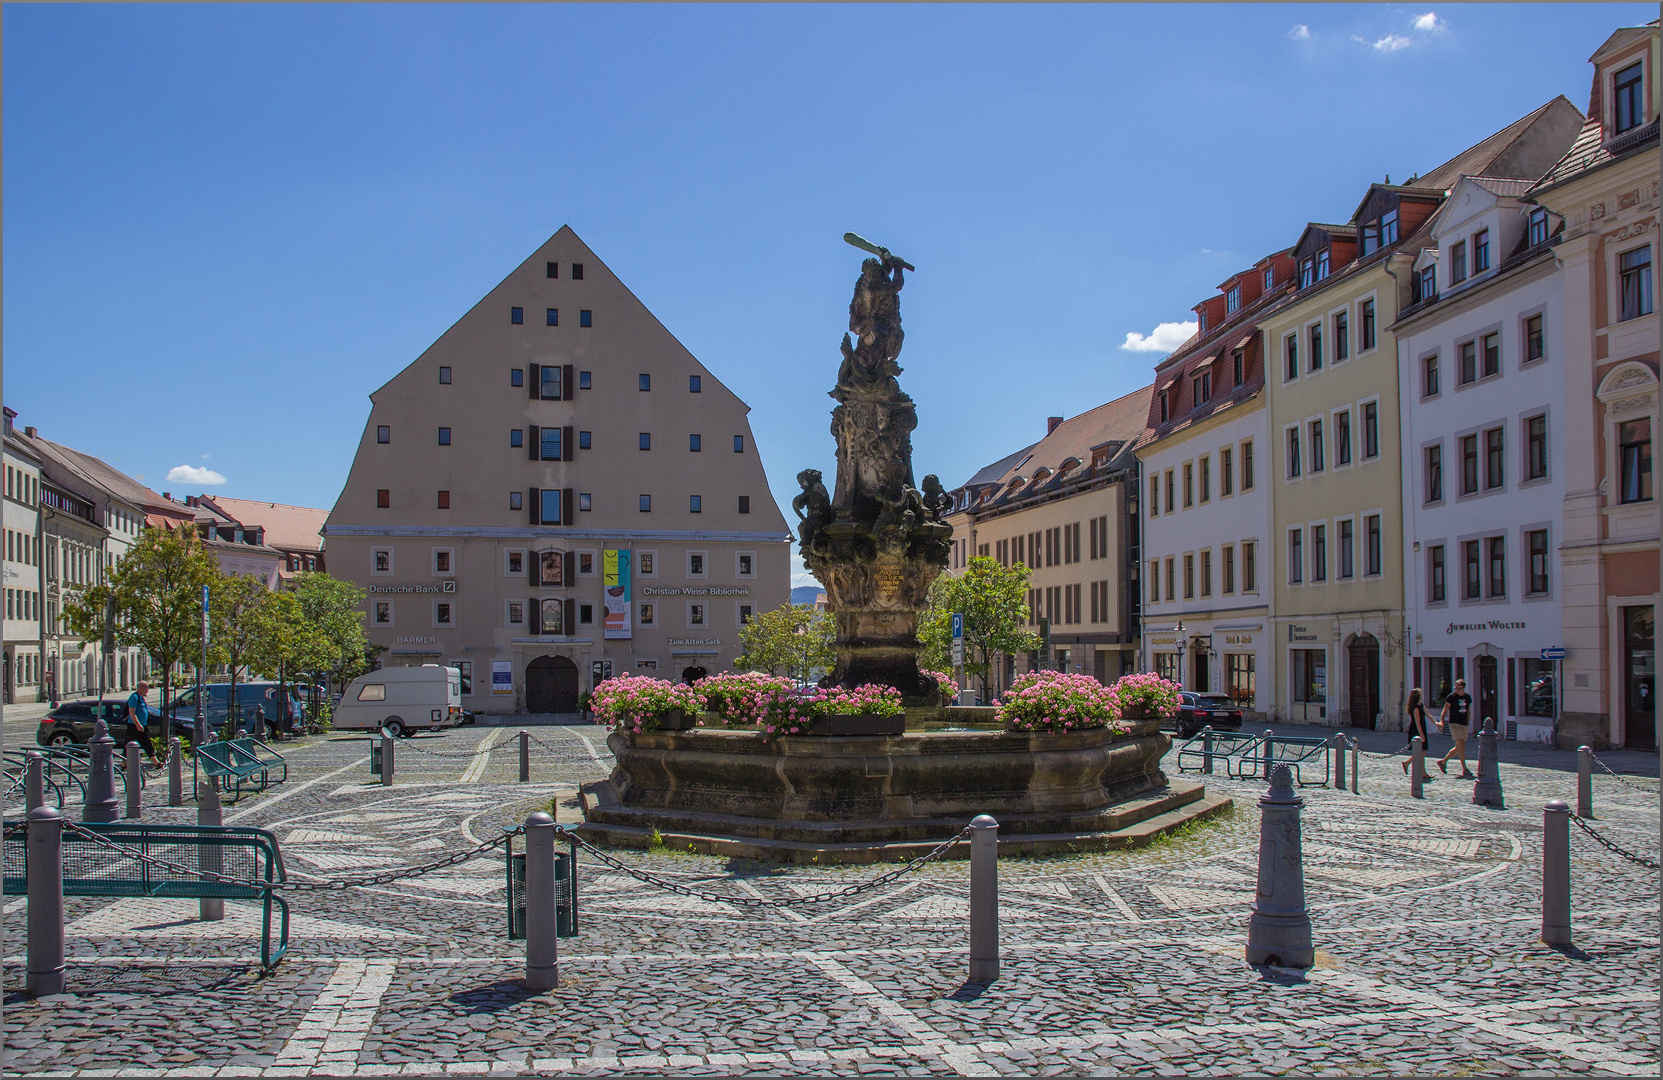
(1528, 146)
(291, 528)
(1120, 420)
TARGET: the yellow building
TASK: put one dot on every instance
(1335, 467)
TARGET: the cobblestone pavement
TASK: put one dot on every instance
(1425, 917)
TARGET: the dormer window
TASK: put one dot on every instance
(1457, 262)
(1481, 251)
(1380, 232)
(1322, 264)
(1538, 226)
(1201, 320)
(1424, 285)
(1307, 272)
(1628, 104)
(1270, 277)
(1166, 407)
(1232, 299)
(1203, 389)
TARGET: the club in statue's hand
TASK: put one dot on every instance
(881, 252)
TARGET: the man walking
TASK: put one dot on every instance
(138, 719)
(1456, 718)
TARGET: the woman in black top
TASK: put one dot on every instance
(1417, 726)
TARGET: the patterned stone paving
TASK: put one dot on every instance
(1122, 962)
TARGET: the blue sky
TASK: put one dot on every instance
(225, 226)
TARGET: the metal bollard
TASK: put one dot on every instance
(1356, 762)
(1556, 873)
(1267, 755)
(175, 773)
(1279, 931)
(1584, 781)
(209, 859)
(1339, 762)
(1486, 791)
(45, 862)
(34, 782)
(542, 949)
(525, 756)
(1417, 766)
(101, 801)
(1207, 749)
(135, 782)
(386, 760)
(984, 900)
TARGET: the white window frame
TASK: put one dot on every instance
(687, 565)
(1359, 443)
(433, 562)
(1287, 459)
(1356, 319)
(594, 563)
(635, 567)
(391, 565)
(739, 613)
(1287, 556)
(702, 606)
(392, 613)
(1334, 437)
(507, 566)
(508, 617)
(737, 572)
(437, 625)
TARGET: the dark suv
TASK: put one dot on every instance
(70, 723)
(1196, 711)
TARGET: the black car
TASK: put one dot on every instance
(71, 722)
(1196, 711)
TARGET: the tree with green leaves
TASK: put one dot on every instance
(994, 602)
(335, 608)
(285, 642)
(157, 591)
(236, 628)
(794, 637)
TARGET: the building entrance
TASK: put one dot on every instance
(1364, 659)
(691, 675)
(551, 685)
(1203, 663)
(1489, 692)
(1640, 677)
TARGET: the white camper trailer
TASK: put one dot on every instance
(404, 700)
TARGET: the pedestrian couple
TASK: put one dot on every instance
(1455, 720)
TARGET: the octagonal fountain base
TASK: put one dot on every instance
(875, 798)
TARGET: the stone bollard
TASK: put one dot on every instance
(1486, 791)
(1207, 749)
(1279, 932)
(135, 782)
(1584, 781)
(1556, 873)
(1417, 766)
(984, 900)
(175, 773)
(386, 759)
(542, 950)
(1268, 756)
(1339, 762)
(45, 860)
(210, 859)
(34, 782)
(101, 802)
(525, 756)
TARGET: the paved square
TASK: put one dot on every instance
(1425, 919)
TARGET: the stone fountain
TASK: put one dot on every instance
(877, 542)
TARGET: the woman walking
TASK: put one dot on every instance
(1456, 717)
(1417, 727)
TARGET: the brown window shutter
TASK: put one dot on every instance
(535, 622)
(534, 376)
(566, 506)
(568, 386)
(567, 443)
(532, 503)
(571, 617)
(536, 572)
(571, 568)
(536, 441)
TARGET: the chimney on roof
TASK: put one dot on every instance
(31, 432)
(190, 500)
(168, 495)
(1051, 423)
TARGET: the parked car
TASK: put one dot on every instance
(1196, 711)
(251, 698)
(402, 700)
(70, 723)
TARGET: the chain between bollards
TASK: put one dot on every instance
(984, 900)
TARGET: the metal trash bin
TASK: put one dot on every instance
(565, 893)
(375, 757)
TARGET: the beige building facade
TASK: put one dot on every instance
(556, 491)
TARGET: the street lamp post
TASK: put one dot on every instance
(1178, 631)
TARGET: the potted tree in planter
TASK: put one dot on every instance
(1144, 696)
(1056, 701)
(640, 703)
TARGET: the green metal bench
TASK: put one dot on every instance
(229, 767)
(252, 749)
(91, 869)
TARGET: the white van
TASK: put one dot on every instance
(404, 700)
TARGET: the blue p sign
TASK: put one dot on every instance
(958, 626)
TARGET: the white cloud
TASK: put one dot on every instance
(190, 474)
(1429, 22)
(1392, 43)
(1300, 32)
(1165, 337)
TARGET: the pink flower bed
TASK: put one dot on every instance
(635, 702)
(1058, 701)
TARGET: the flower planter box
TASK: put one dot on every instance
(1140, 712)
(676, 720)
(859, 724)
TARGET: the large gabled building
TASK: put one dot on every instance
(556, 490)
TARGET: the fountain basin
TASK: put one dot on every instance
(866, 798)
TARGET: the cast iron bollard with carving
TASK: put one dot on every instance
(1279, 931)
(542, 949)
(1486, 791)
(101, 802)
(209, 859)
(1584, 781)
(1417, 766)
(135, 782)
(1339, 761)
(45, 974)
(1556, 873)
(984, 900)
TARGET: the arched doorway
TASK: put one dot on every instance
(551, 685)
(1363, 654)
(691, 675)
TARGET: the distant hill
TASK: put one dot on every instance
(805, 594)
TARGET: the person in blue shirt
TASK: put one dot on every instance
(138, 721)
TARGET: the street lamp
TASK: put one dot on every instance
(1179, 632)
